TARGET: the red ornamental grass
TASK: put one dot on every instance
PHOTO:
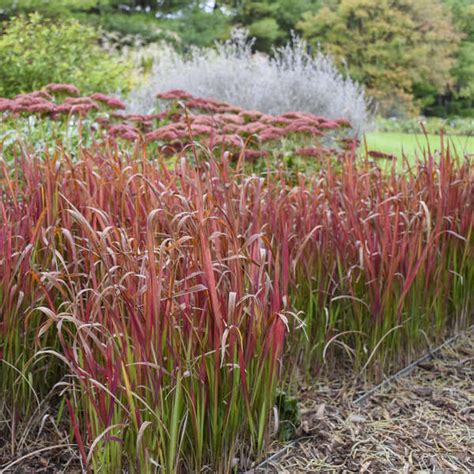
(167, 314)
(166, 291)
(171, 149)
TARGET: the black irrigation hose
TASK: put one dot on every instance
(406, 370)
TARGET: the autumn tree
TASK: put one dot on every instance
(402, 50)
(460, 99)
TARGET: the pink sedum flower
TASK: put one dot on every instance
(69, 89)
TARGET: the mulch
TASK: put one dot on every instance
(38, 444)
(421, 422)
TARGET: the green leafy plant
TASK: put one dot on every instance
(289, 415)
(35, 51)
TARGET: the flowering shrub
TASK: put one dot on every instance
(290, 80)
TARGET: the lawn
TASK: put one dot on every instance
(412, 144)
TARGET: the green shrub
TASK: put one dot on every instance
(35, 51)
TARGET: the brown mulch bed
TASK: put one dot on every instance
(36, 445)
(421, 422)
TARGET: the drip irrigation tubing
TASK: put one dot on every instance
(363, 398)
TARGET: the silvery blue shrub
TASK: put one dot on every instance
(291, 79)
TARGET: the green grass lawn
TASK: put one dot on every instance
(413, 144)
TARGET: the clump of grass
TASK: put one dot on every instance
(165, 309)
(382, 262)
(157, 297)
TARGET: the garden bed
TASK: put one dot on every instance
(163, 277)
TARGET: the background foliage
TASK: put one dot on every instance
(290, 80)
(389, 46)
(411, 55)
(35, 52)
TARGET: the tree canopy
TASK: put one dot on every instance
(401, 54)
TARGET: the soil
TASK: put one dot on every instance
(36, 445)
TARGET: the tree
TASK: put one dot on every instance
(403, 55)
(270, 21)
(461, 98)
(46, 7)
